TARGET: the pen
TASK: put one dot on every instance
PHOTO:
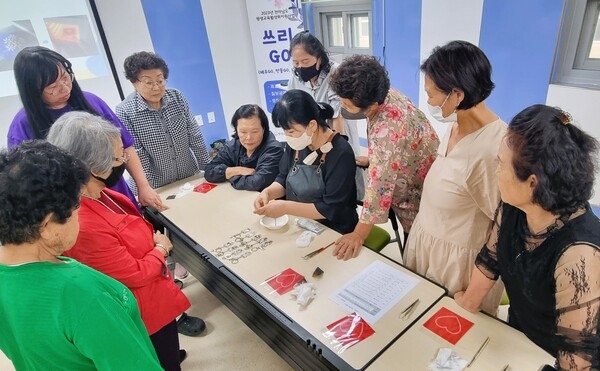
(317, 251)
(481, 348)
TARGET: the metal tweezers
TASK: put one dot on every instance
(405, 314)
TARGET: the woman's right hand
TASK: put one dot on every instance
(461, 299)
(163, 240)
(261, 200)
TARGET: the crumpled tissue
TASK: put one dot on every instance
(447, 360)
(304, 293)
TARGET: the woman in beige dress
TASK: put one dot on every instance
(460, 193)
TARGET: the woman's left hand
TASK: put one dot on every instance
(274, 209)
(348, 246)
(148, 197)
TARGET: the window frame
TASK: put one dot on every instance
(347, 9)
(573, 67)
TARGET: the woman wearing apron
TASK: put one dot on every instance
(316, 172)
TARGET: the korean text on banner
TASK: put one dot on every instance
(273, 24)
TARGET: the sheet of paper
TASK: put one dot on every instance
(374, 291)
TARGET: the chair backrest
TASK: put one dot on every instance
(377, 239)
(377, 235)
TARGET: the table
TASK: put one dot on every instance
(199, 223)
(418, 346)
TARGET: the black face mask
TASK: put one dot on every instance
(353, 116)
(114, 176)
(307, 73)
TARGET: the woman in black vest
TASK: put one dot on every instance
(545, 244)
(316, 172)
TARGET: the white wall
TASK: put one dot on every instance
(441, 22)
(228, 31)
(126, 31)
(582, 104)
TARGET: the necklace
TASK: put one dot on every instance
(103, 204)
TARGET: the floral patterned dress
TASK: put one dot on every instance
(402, 147)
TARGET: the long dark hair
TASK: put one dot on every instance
(35, 68)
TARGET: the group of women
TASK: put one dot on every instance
(488, 204)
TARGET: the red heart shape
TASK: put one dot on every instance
(449, 323)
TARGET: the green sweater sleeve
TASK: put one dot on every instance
(113, 335)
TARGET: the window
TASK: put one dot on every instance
(344, 27)
(578, 57)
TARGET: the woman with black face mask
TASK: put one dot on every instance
(312, 69)
(116, 240)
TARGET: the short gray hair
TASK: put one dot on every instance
(88, 137)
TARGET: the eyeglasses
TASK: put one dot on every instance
(149, 84)
(123, 159)
(65, 80)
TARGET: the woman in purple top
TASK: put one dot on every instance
(48, 89)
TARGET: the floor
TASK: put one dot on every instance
(228, 343)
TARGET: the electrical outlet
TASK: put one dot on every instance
(199, 120)
(211, 117)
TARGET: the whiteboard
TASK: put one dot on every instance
(66, 26)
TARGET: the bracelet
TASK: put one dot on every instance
(161, 246)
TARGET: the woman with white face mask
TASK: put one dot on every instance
(316, 172)
(460, 193)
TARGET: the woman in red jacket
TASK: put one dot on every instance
(114, 238)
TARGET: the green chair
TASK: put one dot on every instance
(380, 238)
(377, 239)
(504, 300)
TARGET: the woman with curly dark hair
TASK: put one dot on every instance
(545, 243)
(168, 140)
(56, 313)
(312, 73)
(402, 147)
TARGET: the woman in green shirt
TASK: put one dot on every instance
(55, 313)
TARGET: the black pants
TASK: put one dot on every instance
(166, 344)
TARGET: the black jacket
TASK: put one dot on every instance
(265, 160)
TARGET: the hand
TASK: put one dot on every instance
(241, 170)
(348, 246)
(148, 197)
(273, 209)
(261, 201)
(163, 240)
(463, 301)
(362, 161)
(230, 172)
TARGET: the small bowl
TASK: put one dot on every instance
(274, 223)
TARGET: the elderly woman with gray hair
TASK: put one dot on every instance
(115, 239)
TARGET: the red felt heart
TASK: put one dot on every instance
(285, 281)
(449, 323)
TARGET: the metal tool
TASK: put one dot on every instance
(317, 251)
(405, 314)
(481, 348)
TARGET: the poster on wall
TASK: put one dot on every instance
(273, 24)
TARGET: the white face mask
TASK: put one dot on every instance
(299, 143)
(436, 112)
